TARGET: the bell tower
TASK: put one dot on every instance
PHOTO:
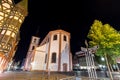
(33, 44)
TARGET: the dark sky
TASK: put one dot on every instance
(74, 16)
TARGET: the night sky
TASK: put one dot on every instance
(74, 16)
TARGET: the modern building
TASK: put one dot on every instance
(79, 61)
(85, 59)
(52, 54)
(118, 62)
(11, 17)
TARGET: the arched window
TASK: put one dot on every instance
(65, 38)
(53, 59)
(55, 37)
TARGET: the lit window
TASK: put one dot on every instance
(11, 16)
(8, 32)
(6, 5)
(6, 15)
(1, 13)
(16, 18)
(1, 17)
(55, 37)
(13, 34)
(8, 10)
(3, 31)
(53, 58)
(20, 20)
(10, 1)
(4, 8)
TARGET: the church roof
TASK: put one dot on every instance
(54, 32)
(24, 3)
(60, 30)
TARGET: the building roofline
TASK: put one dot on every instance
(52, 32)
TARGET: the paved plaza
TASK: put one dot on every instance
(24, 75)
(36, 75)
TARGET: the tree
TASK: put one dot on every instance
(108, 40)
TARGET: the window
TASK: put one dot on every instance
(53, 58)
(33, 47)
(3, 32)
(45, 58)
(8, 33)
(34, 40)
(55, 37)
(65, 39)
(13, 34)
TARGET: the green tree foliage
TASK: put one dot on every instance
(107, 38)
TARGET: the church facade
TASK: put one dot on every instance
(52, 54)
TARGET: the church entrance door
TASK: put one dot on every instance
(65, 67)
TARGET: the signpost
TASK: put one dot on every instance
(90, 61)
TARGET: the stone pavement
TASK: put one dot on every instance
(23, 75)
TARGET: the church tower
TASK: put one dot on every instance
(33, 44)
(53, 53)
(11, 17)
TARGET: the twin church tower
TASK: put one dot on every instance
(53, 53)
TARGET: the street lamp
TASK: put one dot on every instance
(102, 59)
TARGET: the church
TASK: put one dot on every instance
(52, 54)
